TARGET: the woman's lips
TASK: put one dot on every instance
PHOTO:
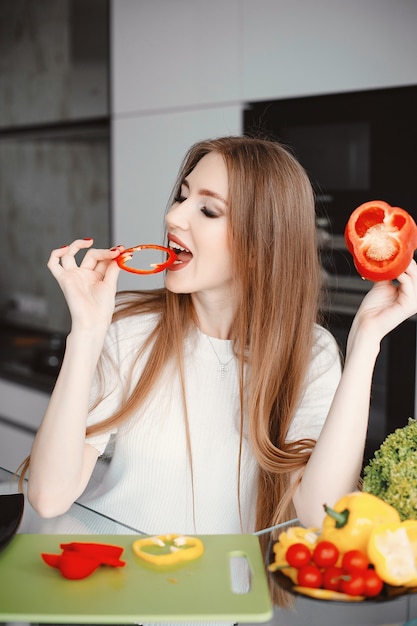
(184, 256)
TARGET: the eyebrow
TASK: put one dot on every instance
(206, 192)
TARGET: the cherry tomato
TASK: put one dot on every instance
(353, 584)
(332, 578)
(373, 583)
(325, 554)
(355, 561)
(310, 576)
(298, 555)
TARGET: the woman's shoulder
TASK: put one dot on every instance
(326, 351)
(323, 337)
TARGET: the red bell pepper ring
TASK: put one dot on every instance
(126, 256)
(78, 560)
(382, 240)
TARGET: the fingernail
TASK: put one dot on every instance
(87, 238)
(113, 249)
(66, 246)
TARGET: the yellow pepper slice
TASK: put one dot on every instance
(326, 594)
(392, 549)
(294, 534)
(298, 534)
(169, 549)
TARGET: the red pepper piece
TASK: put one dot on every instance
(107, 554)
(72, 564)
(78, 560)
(382, 240)
(77, 566)
(51, 559)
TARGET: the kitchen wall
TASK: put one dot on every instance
(183, 69)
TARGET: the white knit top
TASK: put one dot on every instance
(149, 484)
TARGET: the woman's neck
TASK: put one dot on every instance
(213, 318)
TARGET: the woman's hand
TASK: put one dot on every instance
(89, 287)
(388, 304)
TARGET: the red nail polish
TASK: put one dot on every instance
(87, 238)
(113, 249)
(66, 246)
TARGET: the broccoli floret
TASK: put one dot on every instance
(392, 473)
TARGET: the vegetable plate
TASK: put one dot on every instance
(383, 593)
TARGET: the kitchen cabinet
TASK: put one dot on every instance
(54, 61)
(21, 412)
(54, 147)
(16, 444)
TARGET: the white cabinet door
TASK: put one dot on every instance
(21, 412)
(21, 404)
(173, 54)
(293, 48)
(15, 445)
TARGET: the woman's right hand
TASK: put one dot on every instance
(90, 287)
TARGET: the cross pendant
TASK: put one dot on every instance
(222, 369)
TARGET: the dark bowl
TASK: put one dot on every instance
(11, 512)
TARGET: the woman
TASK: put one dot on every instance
(222, 393)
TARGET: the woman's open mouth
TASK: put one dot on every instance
(184, 255)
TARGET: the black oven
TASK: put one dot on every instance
(355, 147)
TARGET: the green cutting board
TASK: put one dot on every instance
(31, 591)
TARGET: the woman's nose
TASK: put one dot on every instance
(177, 216)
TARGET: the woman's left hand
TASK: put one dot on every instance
(388, 304)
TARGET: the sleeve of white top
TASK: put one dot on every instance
(120, 366)
(111, 391)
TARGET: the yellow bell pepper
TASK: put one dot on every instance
(168, 549)
(392, 549)
(349, 524)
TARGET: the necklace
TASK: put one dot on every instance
(223, 366)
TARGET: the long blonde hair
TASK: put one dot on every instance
(277, 283)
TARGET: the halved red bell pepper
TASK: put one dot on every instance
(382, 240)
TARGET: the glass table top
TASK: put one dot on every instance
(79, 519)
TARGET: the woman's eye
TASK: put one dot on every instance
(208, 213)
(179, 198)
